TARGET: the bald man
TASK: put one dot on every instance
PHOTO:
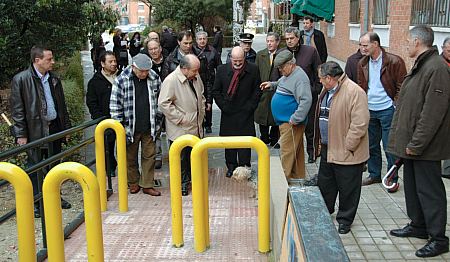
(236, 92)
(181, 100)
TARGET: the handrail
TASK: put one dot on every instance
(121, 161)
(52, 203)
(24, 208)
(47, 139)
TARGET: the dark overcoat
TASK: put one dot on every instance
(421, 121)
(237, 111)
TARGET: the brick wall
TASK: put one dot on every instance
(341, 47)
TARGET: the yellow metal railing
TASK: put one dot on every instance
(53, 212)
(175, 185)
(121, 162)
(24, 209)
(200, 199)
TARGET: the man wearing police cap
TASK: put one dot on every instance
(245, 41)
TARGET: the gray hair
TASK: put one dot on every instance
(330, 68)
(446, 41)
(424, 33)
(274, 34)
(199, 33)
(293, 30)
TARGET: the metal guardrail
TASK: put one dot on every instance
(24, 207)
(200, 199)
(52, 202)
(121, 161)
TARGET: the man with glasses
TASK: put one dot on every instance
(290, 106)
(381, 75)
(134, 104)
(308, 59)
(236, 92)
(342, 116)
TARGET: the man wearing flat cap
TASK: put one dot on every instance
(245, 41)
(290, 107)
(134, 104)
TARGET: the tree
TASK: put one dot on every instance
(192, 13)
(61, 25)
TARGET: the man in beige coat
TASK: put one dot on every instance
(182, 102)
(341, 121)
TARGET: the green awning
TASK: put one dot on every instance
(319, 9)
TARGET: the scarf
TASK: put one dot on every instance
(308, 35)
(235, 80)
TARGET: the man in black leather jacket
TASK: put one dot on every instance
(39, 109)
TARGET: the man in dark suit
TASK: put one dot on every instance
(313, 37)
(236, 92)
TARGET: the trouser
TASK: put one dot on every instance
(343, 179)
(185, 164)
(292, 150)
(446, 167)
(208, 118)
(158, 150)
(110, 141)
(237, 157)
(426, 201)
(269, 134)
(379, 126)
(36, 155)
(144, 179)
(309, 130)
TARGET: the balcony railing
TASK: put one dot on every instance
(431, 12)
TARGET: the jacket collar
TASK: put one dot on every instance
(422, 58)
(340, 81)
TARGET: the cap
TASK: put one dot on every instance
(142, 62)
(282, 58)
(246, 37)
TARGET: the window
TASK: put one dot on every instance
(141, 7)
(431, 12)
(354, 11)
(380, 12)
(141, 20)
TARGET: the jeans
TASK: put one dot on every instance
(379, 125)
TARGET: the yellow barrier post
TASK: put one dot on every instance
(201, 225)
(24, 209)
(175, 185)
(121, 162)
(53, 212)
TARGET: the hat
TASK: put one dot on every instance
(246, 37)
(282, 58)
(142, 62)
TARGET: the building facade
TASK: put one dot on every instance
(131, 11)
(390, 19)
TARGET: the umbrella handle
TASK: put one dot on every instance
(389, 175)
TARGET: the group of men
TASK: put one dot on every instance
(281, 90)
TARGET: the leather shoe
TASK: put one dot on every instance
(184, 190)
(343, 229)
(311, 159)
(208, 130)
(37, 212)
(409, 231)
(151, 191)
(229, 173)
(432, 248)
(134, 188)
(65, 204)
(158, 164)
(369, 181)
